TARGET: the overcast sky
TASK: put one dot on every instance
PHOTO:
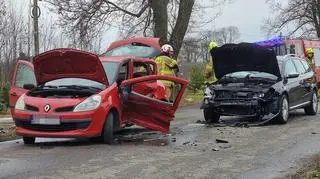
(247, 15)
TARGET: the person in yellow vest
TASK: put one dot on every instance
(209, 72)
(167, 66)
(310, 58)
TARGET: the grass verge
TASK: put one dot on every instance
(191, 98)
(311, 169)
(7, 132)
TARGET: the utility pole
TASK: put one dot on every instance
(35, 15)
(29, 31)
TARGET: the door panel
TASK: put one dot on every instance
(304, 83)
(23, 74)
(146, 106)
(292, 84)
(307, 81)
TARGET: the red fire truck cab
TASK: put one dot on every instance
(282, 46)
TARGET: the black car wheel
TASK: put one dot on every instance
(210, 116)
(312, 109)
(284, 110)
(29, 140)
(107, 134)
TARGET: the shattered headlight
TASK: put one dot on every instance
(89, 104)
(209, 94)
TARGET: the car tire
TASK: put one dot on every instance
(283, 116)
(210, 116)
(312, 109)
(107, 134)
(29, 140)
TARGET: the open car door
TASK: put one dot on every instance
(23, 74)
(151, 111)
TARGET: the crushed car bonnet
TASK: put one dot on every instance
(231, 58)
(68, 63)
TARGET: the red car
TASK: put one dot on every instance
(72, 93)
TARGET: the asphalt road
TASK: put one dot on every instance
(190, 151)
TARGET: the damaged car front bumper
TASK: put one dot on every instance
(245, 107)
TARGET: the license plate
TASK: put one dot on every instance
(45, 120)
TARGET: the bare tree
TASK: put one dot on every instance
(229, 34)
(166, 19)
(195, 49)
(302, 16)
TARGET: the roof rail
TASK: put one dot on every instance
(290, 55)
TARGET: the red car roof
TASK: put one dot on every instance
(153, 42)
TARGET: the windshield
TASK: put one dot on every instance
(251, 74)
(111, 69)
(75, 82)
(135, 49)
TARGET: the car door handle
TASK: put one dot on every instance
(13, 94)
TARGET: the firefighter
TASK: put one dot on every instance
(167, 66)
(310, 58)
(209, 72)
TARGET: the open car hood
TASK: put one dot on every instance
(68, 63)
(152, 42)
(231, 58)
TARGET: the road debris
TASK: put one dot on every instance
(314, 133)
(185, 143)
(225, 147)
(221, 141)
(215, 149)
(194, 144)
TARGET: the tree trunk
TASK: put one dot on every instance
(181, 26)
(160, 15)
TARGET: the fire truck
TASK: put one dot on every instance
(282, 46)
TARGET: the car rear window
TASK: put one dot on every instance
(134, 49)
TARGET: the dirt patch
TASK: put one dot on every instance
(310, 169)
(7, 132)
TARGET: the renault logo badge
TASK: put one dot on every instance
(47, 108)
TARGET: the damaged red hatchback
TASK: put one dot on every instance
(72, 93)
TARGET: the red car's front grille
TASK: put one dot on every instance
(65, 109)
(31, 108)
(65, 126)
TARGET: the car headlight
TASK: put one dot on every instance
(20, 105)
(258, 95)
(91, 103)
(209, 93)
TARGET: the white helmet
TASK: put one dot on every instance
(166, 48)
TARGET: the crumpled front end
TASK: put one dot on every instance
(260, 103)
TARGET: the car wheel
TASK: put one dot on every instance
(284, 110)
(29, 140)
(108, 129)
(210, 116)
(312, 109)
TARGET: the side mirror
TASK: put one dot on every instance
(29, 86)
(292, 75)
